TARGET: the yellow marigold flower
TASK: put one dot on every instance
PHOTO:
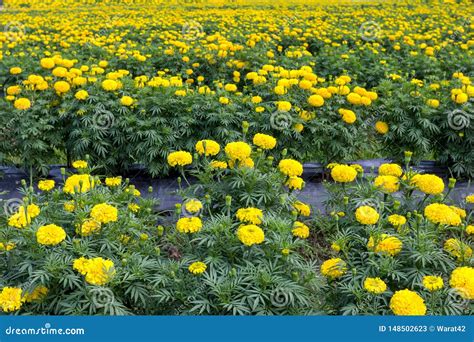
(470, 199)
(250, 234)
(302, 208)
(37, 294)
(336, 247)
(442, 214)
(89, 226)
(433, 283)
(381, 127)
(79, 164)
(7, 246)
(366, 215)
(189, 225)
(267, 142)
(470, 229)
(290, 167)
(375, 285)
(207, 147)
(462, 280)
(180, 158)
(80, 265)
(193, 206)
(22, 103)
(46, 185)
(13, 90)
(432, 103)
(249, 215)
(279, 90)
(113, 181)
(397, 220)
(69, 206)
(333, 268)
(429, 184)
(300, 230)
(104, 213)
(354, 98)
(50, 235)
(390, 170)
(217, 164)
(316, 100)
(21, 218)
(343, 173)
(295, 183)
(256, 99)
(15, 70)
(127, 101)
(197, 267)
(238, 150)
(133, 207)
(407, 303)
(62, 87)
(97, 271)
(348, 116)
(110, 85)
(47, 63)
(388, 184)
(10, 299)
(458, 249)
(283, 106)
(386, 244)
(230, 87)
(298, 127)
(81, 95)
(78, 183)
(224, 100)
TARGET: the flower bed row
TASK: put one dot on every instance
(240, 242)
